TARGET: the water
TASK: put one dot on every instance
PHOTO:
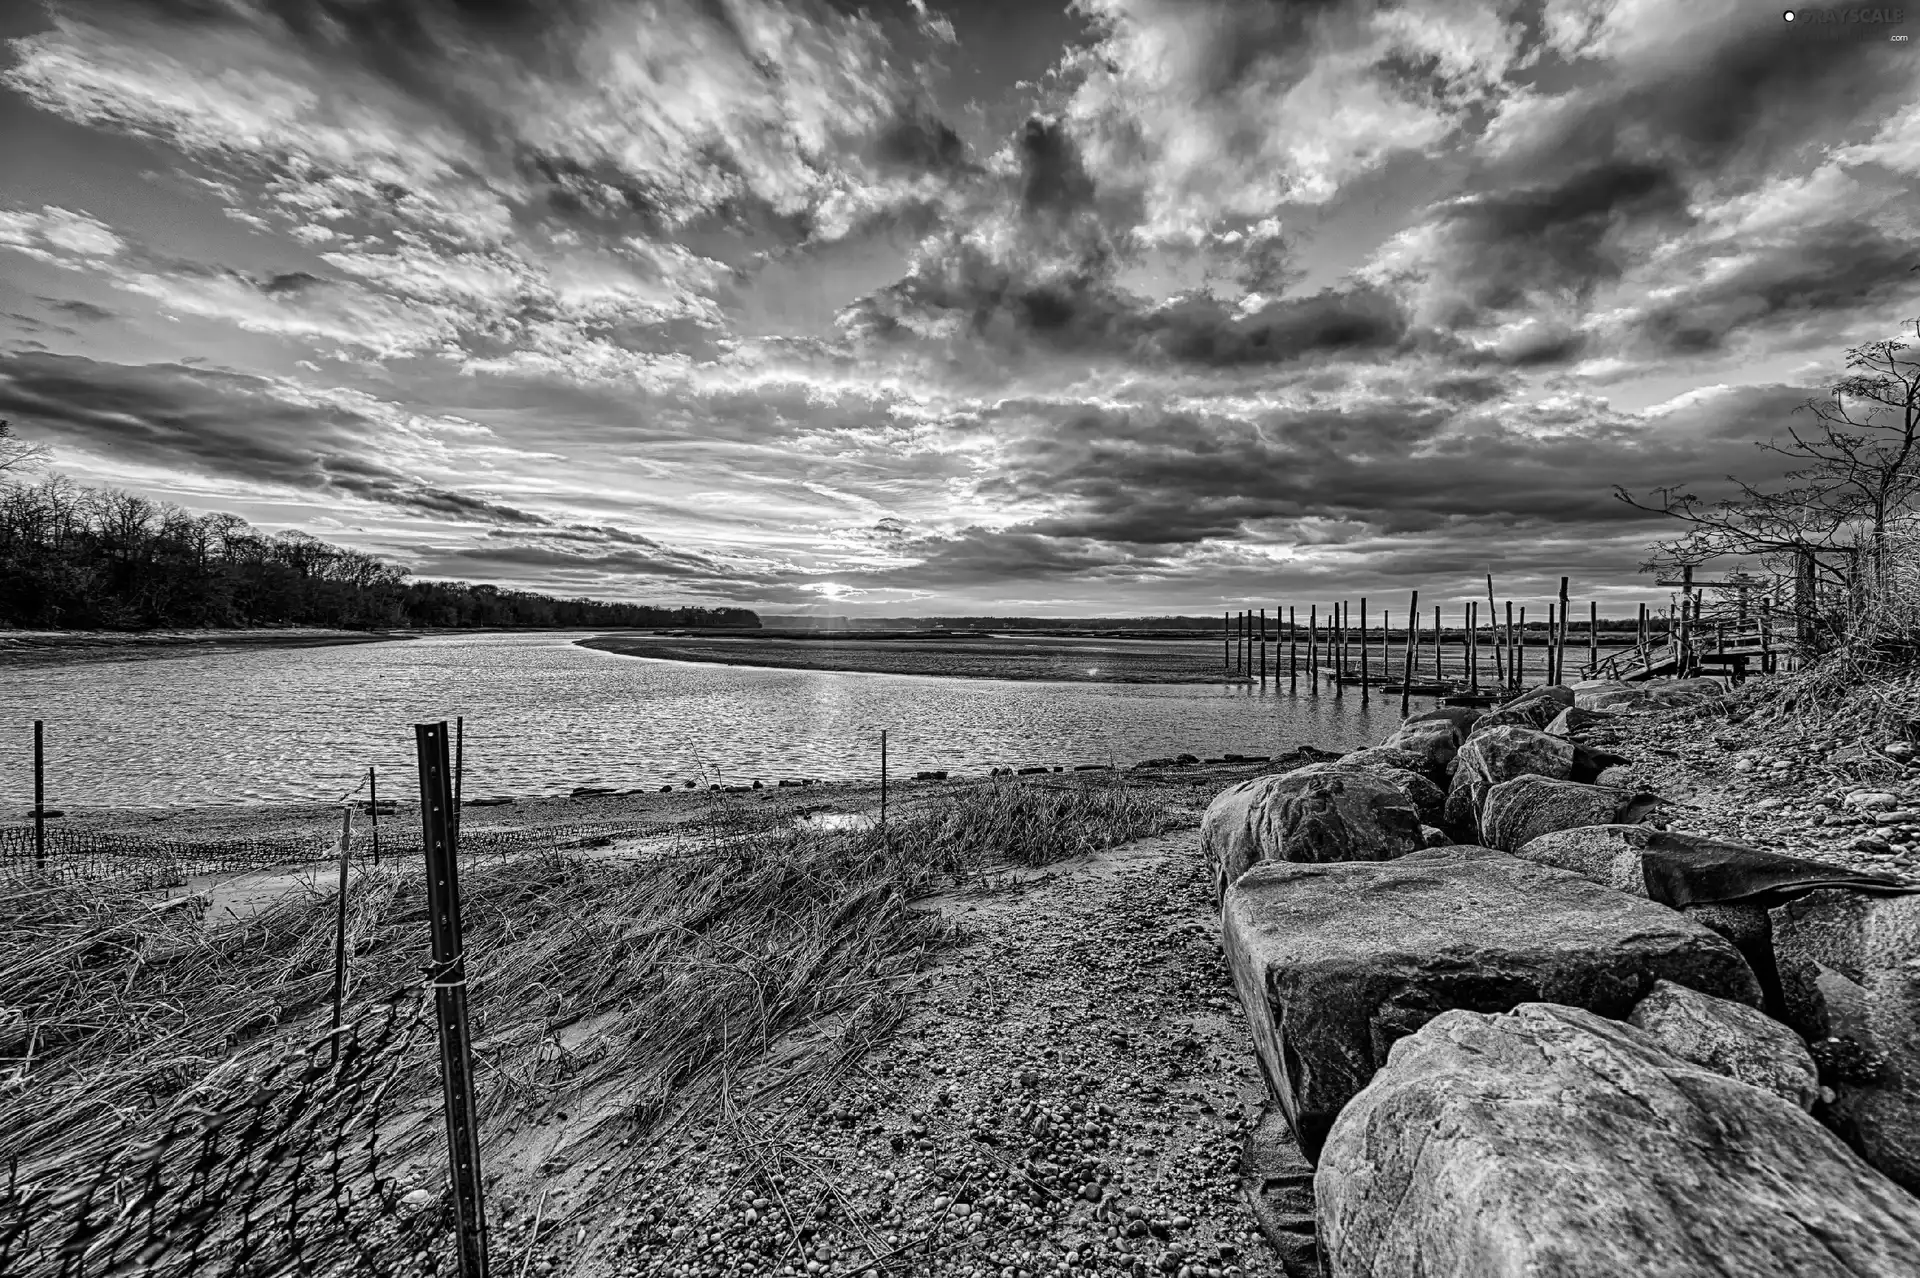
(544, 716)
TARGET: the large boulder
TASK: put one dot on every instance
(1334, 962)
(1496, 755)
(1730, 1038)
(1429, 800)
(1646, 698)
(1322, 812)
(1535, 708)
(1551, 1143)
(1688, 871)
(1435, 736)
(1516, 812)
(1850, 964)
(1377, 758)
(1573, 720)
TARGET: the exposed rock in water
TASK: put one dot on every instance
(1729, 1038)
(1551, 1143)
(1320, 813)
(1335, 962)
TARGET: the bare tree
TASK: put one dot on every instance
(17, 454)
(1856, 474)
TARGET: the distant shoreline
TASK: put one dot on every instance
(954, 656)
(59, 647)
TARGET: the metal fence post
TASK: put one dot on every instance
(39, 799)
(373, 806)
(449, 973)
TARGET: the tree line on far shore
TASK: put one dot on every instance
(99, 558)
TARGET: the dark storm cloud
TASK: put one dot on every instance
(219, 423)
(82, 310)
(1415, 468)
(1832, 270)
(1556, 236)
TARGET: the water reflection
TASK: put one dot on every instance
(544, 716)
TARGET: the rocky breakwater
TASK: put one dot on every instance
(1600, 1047)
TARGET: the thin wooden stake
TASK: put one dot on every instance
(1512, 679)
(1439, 671)
(883, 783)
(373, 805)
(340, 927)
(1593, 635)
(1313, 645)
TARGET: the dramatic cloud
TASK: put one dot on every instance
(934, 306)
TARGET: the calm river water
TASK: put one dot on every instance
(544, 716)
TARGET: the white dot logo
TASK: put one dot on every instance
(1788, 15)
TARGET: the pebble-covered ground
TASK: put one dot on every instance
(1067, 1096)
(1831, 796)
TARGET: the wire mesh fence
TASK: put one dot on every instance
(146, 862)
(269, 1171)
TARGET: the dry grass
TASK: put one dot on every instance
(682, 967)
(1869, 684)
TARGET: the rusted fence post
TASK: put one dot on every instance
(39, 796)
(448, 970)
(1413, 635)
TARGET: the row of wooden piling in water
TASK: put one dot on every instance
(1334, 638)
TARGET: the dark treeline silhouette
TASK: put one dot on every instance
(99, 558)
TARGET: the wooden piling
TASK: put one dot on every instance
(1566, 619)
(1413, 635)
(1293, 647)
(1263, 647)
(1513, 667)
(1226, 641)
(1550, 645)
(373, 804)
(1520, 650)
(1472, 646)
(1313, 644)
(1439, 671)
(1363, 647)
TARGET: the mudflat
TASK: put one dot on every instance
(1062, 659)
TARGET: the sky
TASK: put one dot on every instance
(1034, 307)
